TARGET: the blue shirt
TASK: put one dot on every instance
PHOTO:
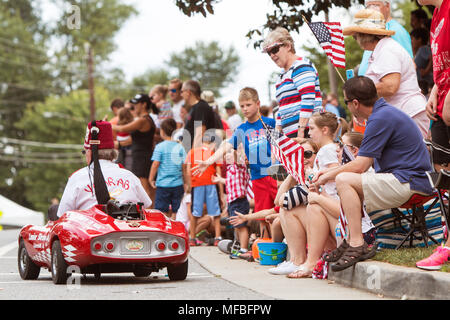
(333, 109)
(395, 143)
(256, 146)
(170, 155)
(401, 36)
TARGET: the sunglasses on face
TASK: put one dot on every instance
(308, 154)
(83, 152)
(274, 48)
(173, 90)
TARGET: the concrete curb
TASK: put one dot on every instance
(395, 281)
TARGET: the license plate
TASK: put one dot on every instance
(134, 245)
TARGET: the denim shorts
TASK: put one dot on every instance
(240, 205)
(166, 197)
(205, 194)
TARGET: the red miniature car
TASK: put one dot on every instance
(104, 240)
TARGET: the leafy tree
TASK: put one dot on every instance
(207, 63)
(286, 13)
(24, 78)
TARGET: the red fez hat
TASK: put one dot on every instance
(104, 135)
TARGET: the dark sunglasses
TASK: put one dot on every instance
(308, 154)
(173, 90)
(274, 49)
(347, 101)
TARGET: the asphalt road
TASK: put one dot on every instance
(199, 285)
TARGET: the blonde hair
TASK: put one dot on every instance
(161, 89)
(326, 119)
(279, 35)
(355, 138)
(125, 116)
(248, 94)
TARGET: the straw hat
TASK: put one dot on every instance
(368, 21)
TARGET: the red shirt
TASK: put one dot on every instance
(440, 47)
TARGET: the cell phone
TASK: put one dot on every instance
(350, 74)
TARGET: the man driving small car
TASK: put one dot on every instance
(122, 185)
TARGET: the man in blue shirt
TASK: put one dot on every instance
(401, 35)
(394, 146)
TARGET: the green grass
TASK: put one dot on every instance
(407, 256)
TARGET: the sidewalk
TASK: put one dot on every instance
(370, 279)
(254, 276)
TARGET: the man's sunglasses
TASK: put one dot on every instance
(308, 154)
(173, 90)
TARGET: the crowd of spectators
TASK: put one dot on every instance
(209, 166)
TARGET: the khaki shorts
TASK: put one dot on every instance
(384, 191)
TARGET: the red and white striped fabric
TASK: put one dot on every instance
(237, 181)
(288, 152)
(250, 194)
(331, 39)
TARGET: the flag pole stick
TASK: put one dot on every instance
(335, 68)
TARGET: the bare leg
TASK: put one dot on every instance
(318, 233)
(277, 231)
(243, 236)
(349, 188)
(294, 233)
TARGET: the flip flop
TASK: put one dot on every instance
(302, 272)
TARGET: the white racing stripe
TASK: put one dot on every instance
(7, 248)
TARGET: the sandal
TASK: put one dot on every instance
(337, 253)
(353, 255)
(300, 273)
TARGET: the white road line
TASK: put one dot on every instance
(7, 248)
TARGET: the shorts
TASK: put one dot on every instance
(440, 135)
(166, 197)
(265, 191)
(205, 194)
(240, 205)
(384, 191)
(423, 122)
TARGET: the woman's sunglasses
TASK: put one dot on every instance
(274, 48)
(308, 154)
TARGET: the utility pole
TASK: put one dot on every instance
(331, 72)
(91, 81)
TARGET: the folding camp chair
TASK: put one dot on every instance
(440, 181)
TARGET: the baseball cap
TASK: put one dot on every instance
(141, 97)
(229, 105)
(105, 136)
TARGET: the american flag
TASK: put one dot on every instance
(331, 39)
(287, 151)
(347, 156)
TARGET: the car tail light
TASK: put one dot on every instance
(160, 245)
(174, 245)
(109, 246)
(97, 246)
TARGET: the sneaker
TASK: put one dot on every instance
(436, 260)
(284, 268)
(246, 256)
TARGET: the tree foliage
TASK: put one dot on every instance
(286, 13)
(208, 63)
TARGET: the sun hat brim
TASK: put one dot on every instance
(349, 31)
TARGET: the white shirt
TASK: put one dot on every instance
(176, 109)
(390, 57)
(122, 184)
(327, 155)
(182, 213)
(234, 121)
